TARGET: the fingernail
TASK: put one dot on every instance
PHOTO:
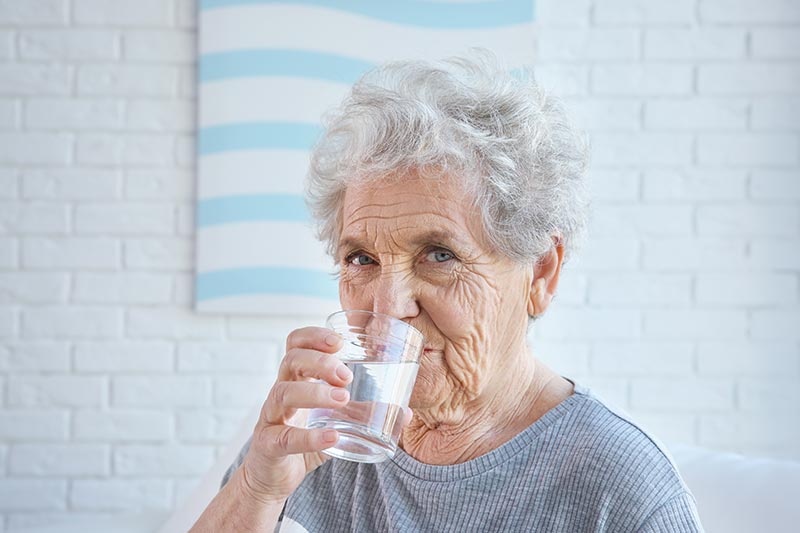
(332, 339)
(329, 435)
(344, 373)
(339, 395)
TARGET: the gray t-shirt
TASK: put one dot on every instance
(582, 467)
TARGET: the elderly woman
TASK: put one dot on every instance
(450, 195)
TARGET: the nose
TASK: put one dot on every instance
(395, 296)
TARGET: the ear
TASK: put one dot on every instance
(545, 279)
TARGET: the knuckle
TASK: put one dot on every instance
(283, 439)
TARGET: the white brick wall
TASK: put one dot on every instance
(682, 307)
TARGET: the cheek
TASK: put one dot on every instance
(355, 297)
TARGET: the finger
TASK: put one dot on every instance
(301, 363)
(315, 338)
(288, 396)
(280, 441)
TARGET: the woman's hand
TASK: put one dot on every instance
(282, 451)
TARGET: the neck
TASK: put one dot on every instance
(493, 418)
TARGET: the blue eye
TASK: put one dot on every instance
(360, 260)
(439, 256)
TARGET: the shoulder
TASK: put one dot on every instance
(609, 454)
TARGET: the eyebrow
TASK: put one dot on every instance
(437, 237)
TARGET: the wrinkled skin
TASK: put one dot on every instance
(416, 249)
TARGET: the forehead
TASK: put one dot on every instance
(410, 208)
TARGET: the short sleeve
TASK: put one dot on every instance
(677, 515)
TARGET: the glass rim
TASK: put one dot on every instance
(416, 335)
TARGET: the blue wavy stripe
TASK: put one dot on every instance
(255, 135)
(251, 207)
(267, 62)
(415, 12)
(265, 280)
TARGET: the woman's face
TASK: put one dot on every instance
(415, 249)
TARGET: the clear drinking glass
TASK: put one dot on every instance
(383, 353)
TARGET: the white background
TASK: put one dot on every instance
(682, 309)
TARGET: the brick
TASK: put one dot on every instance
(746, 289)
(775, 254)
(9, 183)
(614, 185)
(682, 394)
(585, 324)
(71, 322)
(8, 323)
(183, 290)
(566, 358)
(551, 13)
(748, 79)
(69, 44)
(33, 287)
(124, 218)
(748, 359)
(73, 114)
(158, 184)
(173, 324)
(36, 148)
(776, 113)
(186, 221)
(644, 12)
(695, 44)
(775, 42)
(696, 114)
(127, 80)
(39, 80)
(187, 82)
(186, 13)
(33, 218)
(119, 287)
(7, 48)
(124, 357)
(34, 12)
(642, 358)
(185, 151)
(3, 455)
(36, 356)
(748, 149)
(778, 324)
(609, 253)
(642, 220)
(70, 184)
(123, 13)
(641, 149)
(161, 115)
(694, 254)
(32, 494)
(691, 185)
(742, 11)
(8, 253)
(227, 356)
(125, 149)
(163, 461)
(564, 80)
(747, 220)
(275, 329)
(572, 289)
(50, 460)
(774, 395)
(640, 289)
(231, 391)
(607, 114)
(163, 46)
(71, 253)
(51, 391)
(209, 425)
(159, 254)
(686, 324)
(740, 428)
(29, 425)
(152, 391)
(562, 44)
(642, 79)
(9, 114)
(113, 494)
(122, 425)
